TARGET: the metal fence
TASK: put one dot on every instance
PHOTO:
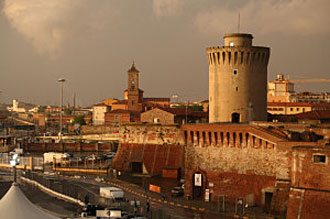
(38, 162)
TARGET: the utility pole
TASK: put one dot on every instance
(187, 103)
(61, 80)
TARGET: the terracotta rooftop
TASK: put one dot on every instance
(120, 102)
(165, 99)
(317, 114)
(184, 111)
(100, 104)
(298, 104)
(118, 111)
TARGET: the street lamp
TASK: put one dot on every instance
(61, 80)
(13, 163)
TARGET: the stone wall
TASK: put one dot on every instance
(151, 134)
(163, 116)
(98, 129)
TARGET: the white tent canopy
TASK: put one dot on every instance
(14, 205)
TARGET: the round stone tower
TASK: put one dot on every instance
(237, 80)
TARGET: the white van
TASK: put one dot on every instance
(49, 157)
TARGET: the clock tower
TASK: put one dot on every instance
(133, 94)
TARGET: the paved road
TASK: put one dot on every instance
(46, 202)
(157, 208)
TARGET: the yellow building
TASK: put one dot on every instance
(287, 108)
(109, 102)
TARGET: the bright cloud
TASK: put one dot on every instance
(47, 23)
(304, 17)
(167, 7)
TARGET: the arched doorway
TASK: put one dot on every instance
(235, 117)
(198, 185)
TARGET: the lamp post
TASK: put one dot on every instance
(61, 80)
(13, 163)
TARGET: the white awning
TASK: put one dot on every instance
(14, 205)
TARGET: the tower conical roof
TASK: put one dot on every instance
(133, 68)
(14, 205)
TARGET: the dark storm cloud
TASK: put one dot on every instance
(93, 43)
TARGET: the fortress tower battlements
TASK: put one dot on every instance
(237, 80)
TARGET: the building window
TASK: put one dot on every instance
(133, 102)
(298, 109)
(236, 89)
(235, 71)
(117, 117)
(291, 109)
(319, 158)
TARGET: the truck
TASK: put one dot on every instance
(113, 193)
(49, 157)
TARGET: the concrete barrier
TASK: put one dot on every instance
(52, 192)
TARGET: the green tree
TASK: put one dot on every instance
(42, 109)
(80, 119)
(67, 111)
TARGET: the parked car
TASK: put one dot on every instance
(90, 210)
(75, 159)
(109, 155)
(92, 157)
(176, 192)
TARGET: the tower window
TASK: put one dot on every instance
(318, 158)
(236, 89)
(235, 71)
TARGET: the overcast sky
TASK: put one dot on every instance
(92, 44)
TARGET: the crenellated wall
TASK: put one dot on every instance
(237, 80)
(239, 161)
(235, 160)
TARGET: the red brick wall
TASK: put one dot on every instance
(231, 185)
(307, 174)
(310, 188)
(308, 204)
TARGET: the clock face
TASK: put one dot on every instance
(133, 83)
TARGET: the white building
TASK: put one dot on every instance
(15, 107)
(99, 111)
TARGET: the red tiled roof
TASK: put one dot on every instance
(164, 99)
(293, 104)
(120, 102)
(317, 114)
(118, 111)
(138, 89)
(100, 104)
(205, 101)
(184, 111)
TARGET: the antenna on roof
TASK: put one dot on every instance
(239, 22)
